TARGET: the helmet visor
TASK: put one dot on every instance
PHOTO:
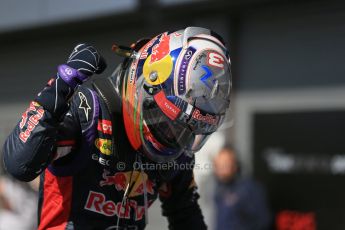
(170, 134)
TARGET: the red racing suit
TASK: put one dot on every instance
(65, 136)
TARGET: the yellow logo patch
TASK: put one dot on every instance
(104, 145)
(163, 68)
(159, 63)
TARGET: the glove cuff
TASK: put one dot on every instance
(71, 76)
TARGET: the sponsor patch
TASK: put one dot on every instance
(159, 62)
(25, 114)
(167, 107)
(30, 121)
(210, 119)
(100, 159)
(104, 145)
(97, 202)
(132, 71)
(183, 70)
(105, 127)
(84, 105)
(120, 181)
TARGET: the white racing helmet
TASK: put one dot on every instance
(175, 92)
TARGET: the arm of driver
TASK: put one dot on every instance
(33, 143)
(180, 202)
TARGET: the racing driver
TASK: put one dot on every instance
(106, 151)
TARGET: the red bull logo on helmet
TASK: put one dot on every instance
(145, 52)
(160, 50)
(159, 62)
(121, 180)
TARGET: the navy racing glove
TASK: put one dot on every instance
(82, 63)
